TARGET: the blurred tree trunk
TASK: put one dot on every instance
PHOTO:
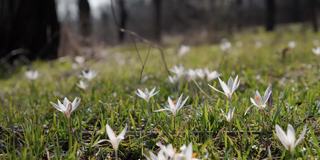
(239, 13)
(314, 15)
(29, 28)
(84, 17)
(158, 19)
(270, 14)
(296, 11)
(123, 19)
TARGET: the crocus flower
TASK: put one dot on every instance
(186, 153)
(174, 107)
(88, 74)
(169, 153)
(292, 44)
(113, 139)
(316, 51)
(178, 70)
(229, 89)
(173, 79)
(261, 102)
(67, 107)
(79, 59)
(211, 75)
(32, 74)
(228, 115)
(146, 94)
(183, 50)
(82, 85)
(225, 45)
(289, 139)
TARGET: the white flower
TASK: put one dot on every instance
(174, 107)
(146, 94)
(292, 44)
(225, 45)
(82, 85)
(229, 89)
(186, 153)
(67, 107)
(191, 74)
(113, 139)
(88, 74)
(289, 139)
(183, 50)
(211, 75)
(32, 74)
(178, 70)
(79, 59)
(228, 115)
(173, 79)
(316, 51)
(261, 102)
(169, 153)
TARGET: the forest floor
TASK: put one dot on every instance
(31, 128)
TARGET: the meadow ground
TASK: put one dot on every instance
(31, 128)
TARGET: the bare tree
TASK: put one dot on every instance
(29, 27)
(270, 14)
(123, 17)
(314, 14)
(157, 19)
(84, 17)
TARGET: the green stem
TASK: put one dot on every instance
(70, 132)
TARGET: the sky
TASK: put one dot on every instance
(65, 7)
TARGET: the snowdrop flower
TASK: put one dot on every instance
(88, 74)
(316, 51)
(229, 89)
(174, 107)
(82, 85)
(146, 94)
(211, 75)
(261, 102)
(113, 139)
(32, 74)
(178, 70)
(228, 115)
(183, 50)
(289, 139)
(292, 44)
(67, 107)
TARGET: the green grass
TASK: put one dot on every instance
(32, 129)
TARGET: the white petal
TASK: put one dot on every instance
(110, 133)
(123, 132)
(291, 135)
(282, 137)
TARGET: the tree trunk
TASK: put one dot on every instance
(157, 19)
(270, 14)
(313, 15)
(84, 18)
(123, 19)
(29, 28)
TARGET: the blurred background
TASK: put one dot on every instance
(51, 28)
